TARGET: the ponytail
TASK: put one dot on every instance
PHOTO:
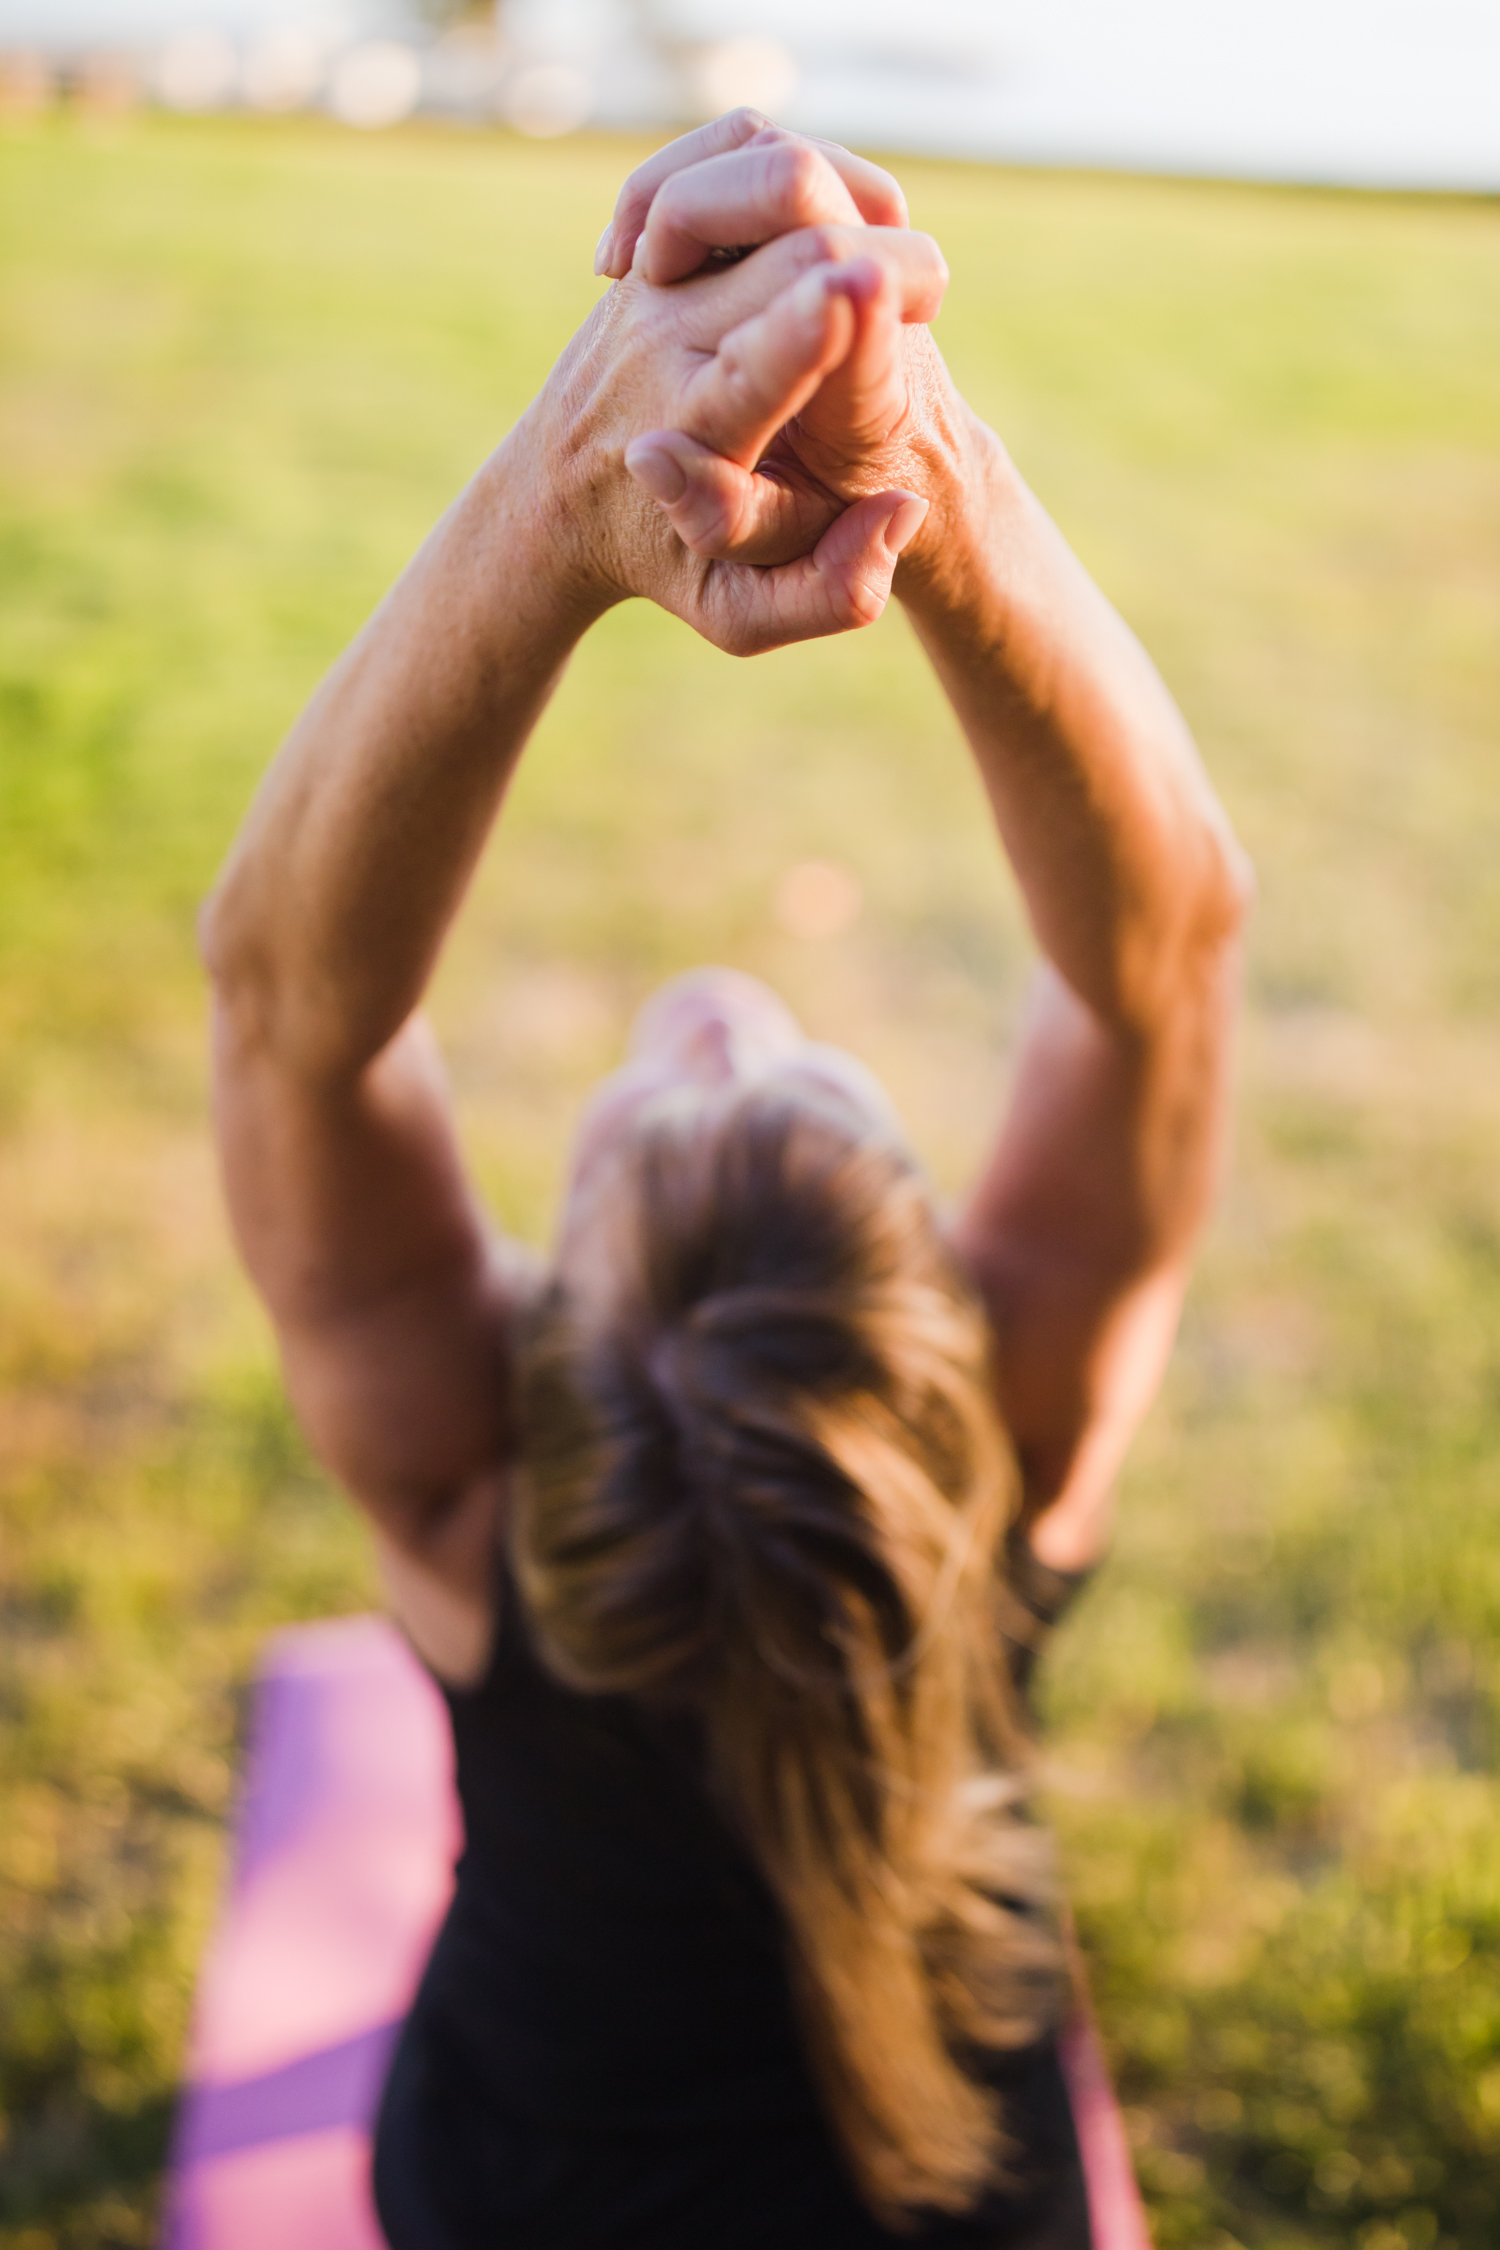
(762, 1475)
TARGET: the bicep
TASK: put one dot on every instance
(1080, 1234)
(390, 1299)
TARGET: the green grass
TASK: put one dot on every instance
(241, 369)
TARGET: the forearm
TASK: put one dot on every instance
(1123, 854)
(325, 924)
(1082, 1225)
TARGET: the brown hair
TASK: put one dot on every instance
(761, 1471)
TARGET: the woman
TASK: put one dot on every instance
(732, 1536)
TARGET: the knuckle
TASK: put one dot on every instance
(738, 375)
(858, 603)
(798, 172)
(825, 244)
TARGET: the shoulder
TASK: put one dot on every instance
(439, 1565)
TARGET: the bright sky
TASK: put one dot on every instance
(1388, 92)
(134, 22)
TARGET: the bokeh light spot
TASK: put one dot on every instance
(817, 899)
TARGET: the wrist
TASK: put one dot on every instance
(948, 569)
(542, 570)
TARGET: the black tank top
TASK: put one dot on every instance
(603, 2052)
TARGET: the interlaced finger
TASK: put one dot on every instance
(875, 195)
(722, 511)
(877, 192)
(865, 397)
(768, 367)
(843, 584)
(750, 195)
(836, 328)
(917, 269)
(617, 243)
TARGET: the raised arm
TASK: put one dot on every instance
(1083, 1222)
(392, 1301)
(1082, 1225)
(348, 1197)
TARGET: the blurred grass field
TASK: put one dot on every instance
(242, 367)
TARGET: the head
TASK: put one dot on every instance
(763, 1479)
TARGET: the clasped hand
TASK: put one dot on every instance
(752, 440)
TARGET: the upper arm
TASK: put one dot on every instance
(393, 1304)
(1080, 1233)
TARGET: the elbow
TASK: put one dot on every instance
(274, 1003)
(1211, 925)
(1236, 874)
(1224, 895)
(1184, 957)
(233, 961)
(248, 1005)
(213, 947)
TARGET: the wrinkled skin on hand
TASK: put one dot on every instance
(754, 422)
(743, 471)
(739, 342)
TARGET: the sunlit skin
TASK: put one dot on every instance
(769, 449)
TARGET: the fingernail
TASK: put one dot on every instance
(654, 467)
(904, 523)
(604, 255)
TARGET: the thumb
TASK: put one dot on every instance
(855, 560)
(721, 511)
(844, 583)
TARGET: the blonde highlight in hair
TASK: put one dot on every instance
(762, 1475)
